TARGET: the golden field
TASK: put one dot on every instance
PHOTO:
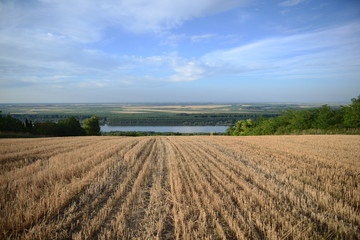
(201, 187)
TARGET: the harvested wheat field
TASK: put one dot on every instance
(213, 187)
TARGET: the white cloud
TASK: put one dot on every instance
(188, 71)
(290, 3)
(326, 52)
(91, 84)
(172, 40)
(178, 69)
(32, 53)
(53, 37)
(157, 15)
(84, 21)
(199, 38)
(55, 43)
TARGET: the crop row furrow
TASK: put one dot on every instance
(306, 200)
(210, 203)
(232, 190)
(42, 151)
(248, 194)
(158, 211)
(294, 174)
(104, 181)
(124, 221)
(176, 187)
(52, 189)
(99, 222)
(191, 213)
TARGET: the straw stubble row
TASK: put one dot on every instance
(275, 187)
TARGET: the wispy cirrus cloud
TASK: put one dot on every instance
(290, 3)
(318, 54)
(203, 37)
(84, 21)
(81, 48)
(46, 38)
(331, 51)
(189, 71)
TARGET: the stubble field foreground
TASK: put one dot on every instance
(213, 187)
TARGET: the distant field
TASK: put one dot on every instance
(190, 114)
(214, 187)
(106, 109)
(115, 108)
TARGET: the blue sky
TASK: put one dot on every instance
(179, 51)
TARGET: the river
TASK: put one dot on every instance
(180, 129)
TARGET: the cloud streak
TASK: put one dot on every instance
(45, 38)
(84, 21)
(204, 37)
(89, 46)
(290, 3)
(310, 55)
(326, 52)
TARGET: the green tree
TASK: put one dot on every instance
(229, 131)
(352, 113)
(69, 127)
(10, 124)
(47, 128)
(325, 118)
(242, 127)
(264, 127)
(92, 126)
(28, 125)
(301, 120)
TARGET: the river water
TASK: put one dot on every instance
(180, 129)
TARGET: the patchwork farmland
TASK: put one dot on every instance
(201, 187)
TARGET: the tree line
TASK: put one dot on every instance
(65, 127)
(154, 119)
(325, 119)
(182, 119)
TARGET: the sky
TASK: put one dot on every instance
(98, 51)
